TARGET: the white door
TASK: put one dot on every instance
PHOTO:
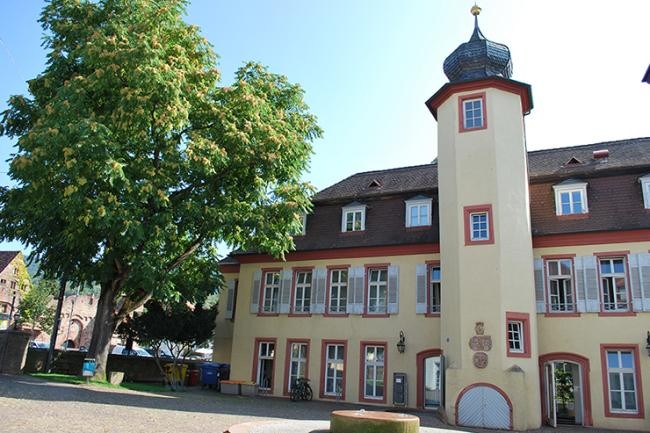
(483, 406)
(551, 400)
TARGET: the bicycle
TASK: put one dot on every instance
(301, 390)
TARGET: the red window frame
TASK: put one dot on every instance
(287, 360)
(323, 366)
(366, 288)
(294, 280)
(328, 290)
(547, 287)
(634, 348)
(461, 111)
(260, 307)
(432, 264)
(467, 214)
(362, 371)
(524, 318)
(256, 355)
(628, 283)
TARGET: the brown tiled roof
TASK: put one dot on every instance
(6, 257)
(624, 155)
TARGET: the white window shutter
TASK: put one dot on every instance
(635, 282)
(255, 292)
(644, 279)
(540, 299)
(318, 282)
(592, 288)
(230, 300)
(285, 291)
(355, 290)
(579, 281)
(420, 288)
(393, 289)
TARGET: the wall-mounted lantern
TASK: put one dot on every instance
(401, 344)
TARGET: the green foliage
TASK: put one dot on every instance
(132, 161)
(563, 386)
(36, 306)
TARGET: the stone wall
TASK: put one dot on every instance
(135, 368)
(13, 350)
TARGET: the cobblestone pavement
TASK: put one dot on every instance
(31, 405)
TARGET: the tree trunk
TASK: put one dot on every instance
(104, 327)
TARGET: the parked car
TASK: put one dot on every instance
(122, 350)
(39, 344)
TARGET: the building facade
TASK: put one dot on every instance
(13, 282)
(506, 288)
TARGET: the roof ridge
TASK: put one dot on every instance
(390, 169)
(613, 142)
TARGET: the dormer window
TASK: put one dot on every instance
(472, 112)
(353, 218)
(571, 197)
(418, 212)
(645, 188)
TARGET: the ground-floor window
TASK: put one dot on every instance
(265, 360)
(622, 381)
(298, 357)
(334, 371)
(374, 371)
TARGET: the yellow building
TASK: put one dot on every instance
(504, 288)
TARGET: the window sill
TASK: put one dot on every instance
(432, 315)
(573, 216)
(610, 414)
(372, 400)
(353, 232)
(518, 355)
(418, 228)
(373, 315)
(470, 242)
(558, 314)
(299, 314)
(267, 314)
(336, 314)
(617, 314)
(332, 397)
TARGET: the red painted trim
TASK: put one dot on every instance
(617, 314)
(366, 288)
(346, 253)
(637, 375)
(576, 239)
(328, 290)
(265, 270)
(375, 315)
(584, 379)
(467, 211)
(294, 280)
(229, 269)
(431, 264)
(524, 318)
(362, 371)
(256, 355)
(489, 385)
(628, 282)
(558, 256)
(558, 314)
(323, 359)
(287, 361)
(461, 111)
(547, 286)
(419, 359)
(507, 85)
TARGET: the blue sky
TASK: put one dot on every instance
(368, 66)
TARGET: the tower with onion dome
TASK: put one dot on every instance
(488, 322)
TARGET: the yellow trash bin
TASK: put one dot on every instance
(176, 375)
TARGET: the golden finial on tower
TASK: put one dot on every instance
(476, 10)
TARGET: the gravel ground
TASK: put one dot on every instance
(31, 405)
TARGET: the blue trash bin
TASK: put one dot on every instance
(209, 374)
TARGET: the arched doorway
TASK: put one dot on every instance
(566, 395)
(430, 379)
(484, 405)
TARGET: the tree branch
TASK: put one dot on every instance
(185, 254)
